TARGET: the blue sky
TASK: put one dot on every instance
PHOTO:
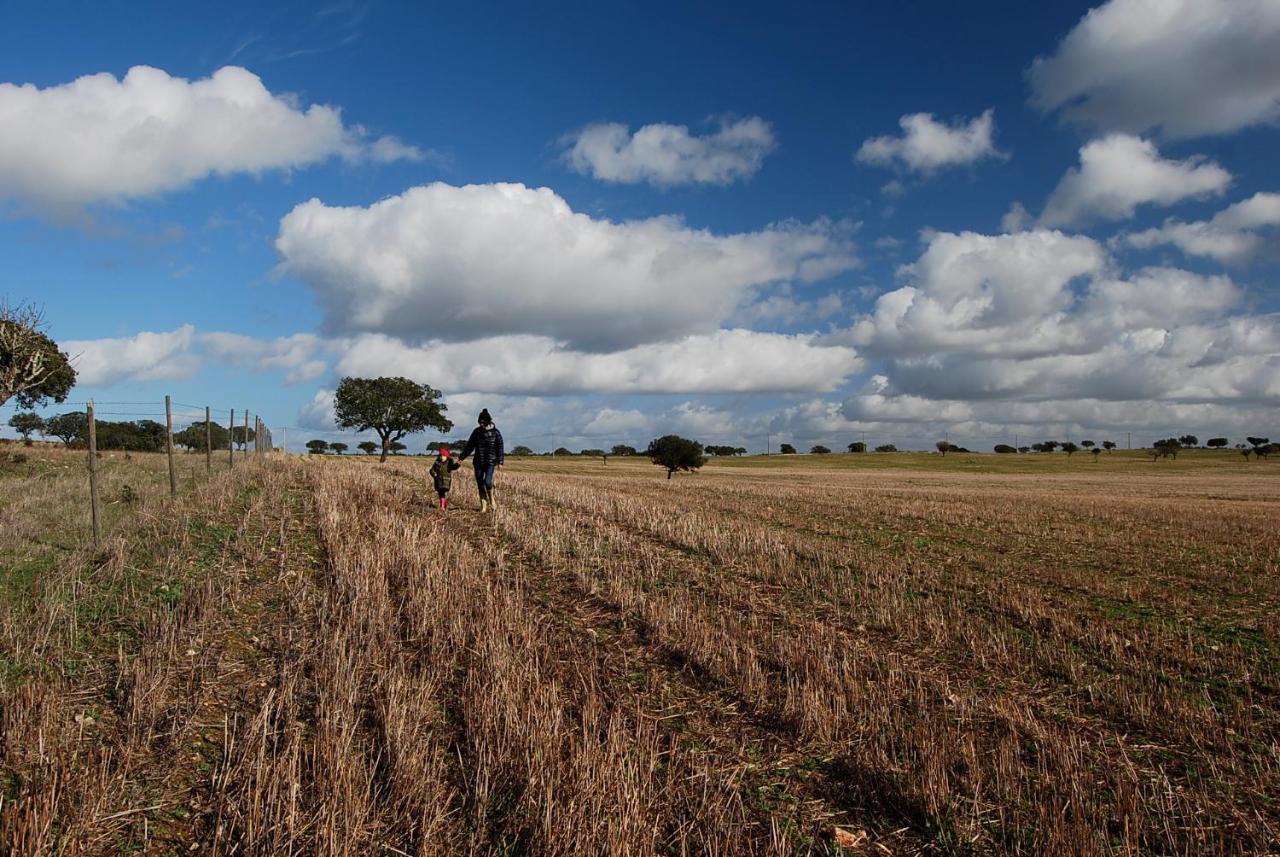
(734, 222)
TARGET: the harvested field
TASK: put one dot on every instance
(304, 656)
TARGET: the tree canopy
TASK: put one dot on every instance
(787, 449)
(193, 436)
(317, 446)
(368, 447)
(25, 423)
(339, 447)
(623, 449)
(519, 450)
(392, 407)
(857, 446)
(32, 369)
(675, 453)
(68, 427)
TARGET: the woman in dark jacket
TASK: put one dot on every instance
(486, 443)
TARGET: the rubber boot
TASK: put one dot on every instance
(484, 503)
(493, 504)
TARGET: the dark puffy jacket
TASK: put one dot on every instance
(486, 443)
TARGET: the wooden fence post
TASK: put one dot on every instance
(93, 477)
(246, 432)
(168, 434)
(208, 441)
(231, 437)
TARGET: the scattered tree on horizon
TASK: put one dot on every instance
(1087, 444)
(1216, 442)
(857, 446)
(522, 450)
(395, 447)
(1069, 448)
(623, 449)
(943, 447)
(886, 447)
(1096, 452)
(339, 447)
(368, 447)
(1189, 440)
(32, 369)
(786, 449)
(819, 449)
(317, 446)
(392, 407)
(1005, 449)
(675, 453)
(1108, 445)
(25, 423)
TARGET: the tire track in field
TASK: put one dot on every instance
(780, 778)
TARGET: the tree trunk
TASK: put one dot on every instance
(386, 441)
(669, 472)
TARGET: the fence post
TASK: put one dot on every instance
(168, 435)
(208, 441)
(246, 432)
(231, 437)
(93, 476)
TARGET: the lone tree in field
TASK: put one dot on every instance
(819, 449)
(857, 446)
(339, 447)
(1216, 443)
(1108, 445)
(25, 424)
(623, 449)
(68, 427)
(1005, 449)
(522, 450)
(1189, 440)
(944, 447)
(675, 453)
(1069, 448)
(317, 446)
(32, 369)
(1088, 444)
(368, 447)
(392, 407)
(787, 449)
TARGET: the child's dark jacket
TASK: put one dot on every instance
(442, 473)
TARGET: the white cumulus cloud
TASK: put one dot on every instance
(1187, 67)
(1118, 173)
(927, 145)
(145, 356)
(666, 155)
(463, 263)
(1233, 236)
(100, 138)
(738, 361)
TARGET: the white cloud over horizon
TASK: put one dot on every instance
(1118, 173)
(462, 263)
(1234, 236)
(103, 139)
(927, 145)
(668, 155)
(1186, 67)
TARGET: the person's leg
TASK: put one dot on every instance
(481, 488)
(488, 485)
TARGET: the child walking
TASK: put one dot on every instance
(442, 474)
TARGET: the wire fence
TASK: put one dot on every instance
(202, 434)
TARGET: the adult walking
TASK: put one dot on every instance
(486, 443)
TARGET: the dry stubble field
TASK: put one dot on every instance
(933, 656)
